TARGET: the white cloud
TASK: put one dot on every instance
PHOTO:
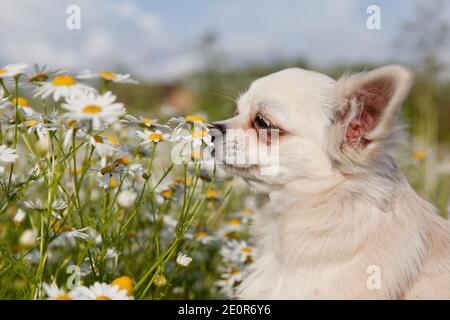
(98, 43)
(147, 22)
(121, 34)
(160, 42)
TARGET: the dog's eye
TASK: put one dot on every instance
(263, 123)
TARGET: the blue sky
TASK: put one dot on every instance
(158, 39)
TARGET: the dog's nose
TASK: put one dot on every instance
(217, 126)
(216, 129)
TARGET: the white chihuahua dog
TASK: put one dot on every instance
(337, 219)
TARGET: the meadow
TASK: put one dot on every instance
(96, 205)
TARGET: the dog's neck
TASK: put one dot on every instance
(305, 212)
(338, 184)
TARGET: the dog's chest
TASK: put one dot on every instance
(270, 280)
(275, 275)
(294, 268)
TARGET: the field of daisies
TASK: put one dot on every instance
(96, 203)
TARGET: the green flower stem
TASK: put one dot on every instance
(175, 245)
(141, 195)
(16, 129)
(2, 84)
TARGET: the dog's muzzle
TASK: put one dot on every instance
(216, 130)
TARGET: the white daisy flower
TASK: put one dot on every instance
(195, 120)
(94, 107)
(126, 198)
(169, 222)
(136, 170)
(40, 74)
(80, 234)
(7, 155)
(101, 291)
(145, 122)
(152, 136)
(37, 125)
(193, 140)
(62, 86)
(111, 253)
(3, 100)
(203, 237)
(20, 216)
(183, 260)
(57, 207)
(28, 238)
(55, 293)
(23, 105)
(233, 224)
(35, 205)
(106, 76)
(70, 236)
(110, 176)
(200, 136)
(230, 279)
(103, 147)
(13, 70)
(237, 251)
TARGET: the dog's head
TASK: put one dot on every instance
(298, 124)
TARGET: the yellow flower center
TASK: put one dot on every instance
(98, 139)
(124, 283)
(71, 123)
(123, 160)
(247, 211)
(195, 155)
(187, 181)
(113, 139)
(235, 272)
(160, 281)
(20, 101)
(64, 80)
(212, 194)
(194, 119)
(147, 121)
(107, 169)
(111, 76)
(234, 222)
(92, 109)
(113, 183)
(167, 193)
(62, 297)
(103, 298)
(246, 250)
(155, 136)
(200, 234)
(200, 134)
(2, 71)
(58, 227)
(75, 172)
(419, 155)
(31, 123)
(38, 77)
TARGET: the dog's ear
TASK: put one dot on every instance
(368, 104)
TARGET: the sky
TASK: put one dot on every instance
(159, 40)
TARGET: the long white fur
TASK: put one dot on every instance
(332, 211)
